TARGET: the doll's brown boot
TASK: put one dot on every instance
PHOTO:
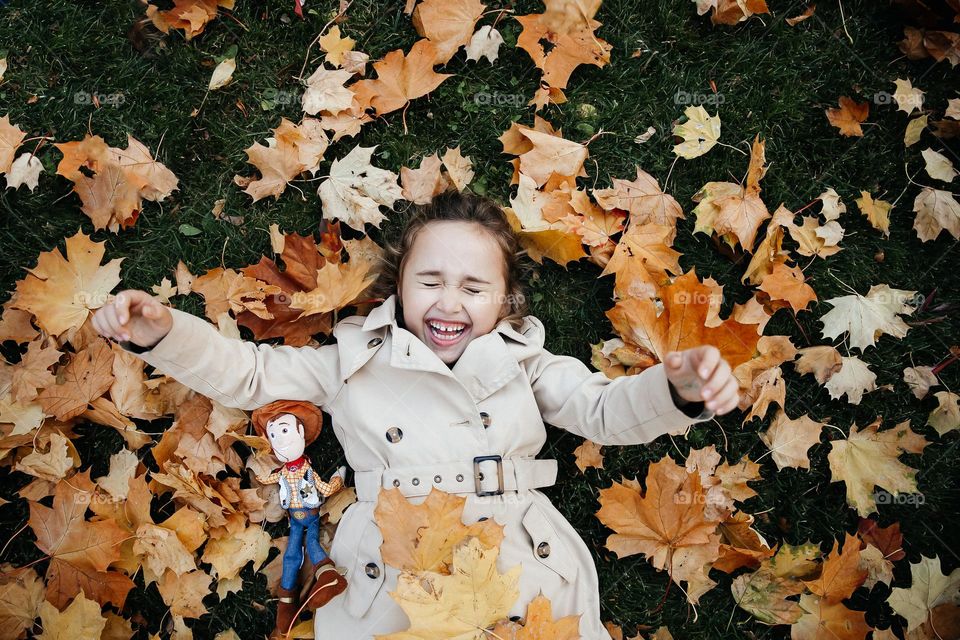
(328, 583)
(287, 607)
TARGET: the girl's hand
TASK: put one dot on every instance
(133, 316)
(701, 373)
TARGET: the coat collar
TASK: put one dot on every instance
(484, 367)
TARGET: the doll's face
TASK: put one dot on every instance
(453, 286)
(286, 437)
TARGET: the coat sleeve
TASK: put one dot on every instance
(626, 410)
(239, 373)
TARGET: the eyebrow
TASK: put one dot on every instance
(466, 279)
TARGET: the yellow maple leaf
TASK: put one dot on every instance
(335, 45)
(422, 537)
(700, 133)
(459, 606)
(868, 458)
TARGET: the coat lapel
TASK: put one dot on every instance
(485, 366)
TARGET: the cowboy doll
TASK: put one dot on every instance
(289, 427)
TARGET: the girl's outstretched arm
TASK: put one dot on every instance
(238, 373)
(625, 410)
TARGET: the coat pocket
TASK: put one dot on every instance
(367, 573)
(547, 546)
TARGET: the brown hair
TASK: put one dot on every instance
(459, 207)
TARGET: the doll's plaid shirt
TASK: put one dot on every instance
(294, 478)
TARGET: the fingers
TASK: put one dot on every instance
(726, 399)
(709, 359)
(107, 323)
(718, 378)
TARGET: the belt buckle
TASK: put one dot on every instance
(299, 515)
(476, 475)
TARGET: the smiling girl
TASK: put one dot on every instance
(446, 384)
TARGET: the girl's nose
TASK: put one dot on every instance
(450, 300)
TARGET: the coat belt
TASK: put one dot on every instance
(480, 476)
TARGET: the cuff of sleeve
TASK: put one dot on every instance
(184, 324)
(696, 410)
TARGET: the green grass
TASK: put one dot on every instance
(776, 81)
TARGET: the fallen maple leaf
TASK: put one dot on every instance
(190, 15)
(877, 211)
(539, 624)
(11, 136)
(85, 378)
(868, 317)
(825, 619)
(293, 149)
(448, 24)
(869, 457)
(335, 45)
(666, 522)
(81, 619)
(111, 182)
(841, 573)
(764, 592)
(588, 455)
(459, 606)
(789, 440)
(929, 589)
(400, 79)
(700, 133)
(62, 292)
(848, 116)
(356, 190)
(557, 54)
(936, 211)
(682, 323)
(423, 537)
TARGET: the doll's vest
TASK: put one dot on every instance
(309, 495)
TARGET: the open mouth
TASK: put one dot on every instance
(446, 333)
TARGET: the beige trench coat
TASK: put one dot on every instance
(406, 420)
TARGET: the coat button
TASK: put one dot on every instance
(485, 419)
(543, 549)
(459, 477)
(373, 571)
(394, 434)
(415, 482)
(437, 479)
(374, 343)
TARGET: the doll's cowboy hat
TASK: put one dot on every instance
(309, 414)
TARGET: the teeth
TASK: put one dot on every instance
(452, 329)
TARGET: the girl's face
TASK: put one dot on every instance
(453, 286)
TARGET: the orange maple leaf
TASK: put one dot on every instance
(849, 116)
(62, 292)
(567, 50)
(400, 79)
(683, 323)
(666, 523)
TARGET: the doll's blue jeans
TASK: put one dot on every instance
(301, 520)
